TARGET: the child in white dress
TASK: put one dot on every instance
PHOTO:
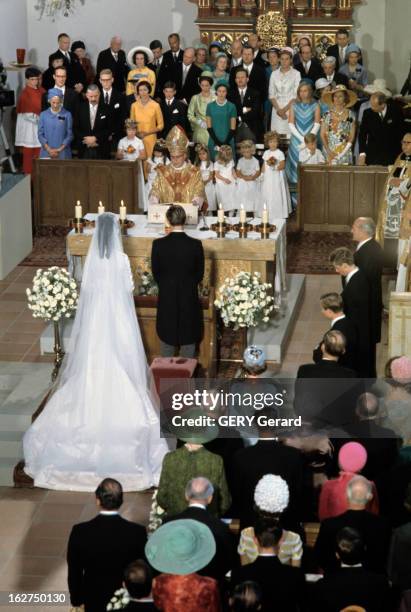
(206, 167)
(248, 172)
(310, 154)
(131, 148)
(275, 191)
(159, 158)
(225, 179)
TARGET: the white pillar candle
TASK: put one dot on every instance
(220, 214)
(100, 208)
(123, 211)
(265, 215)
(78, 211)
(243, 215)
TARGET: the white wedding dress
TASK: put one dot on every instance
(100, 420)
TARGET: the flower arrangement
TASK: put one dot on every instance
(243, 300)
(148, 285)
(54, 294)
(120, 600)
(156, 514)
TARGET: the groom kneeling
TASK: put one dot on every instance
(177, 263)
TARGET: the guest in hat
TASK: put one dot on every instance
(138, 57)
(397, 397)
(79, 49)
(333, 497)
(271, 498)
(189, 461)
(354, 71)
(220, 73)
(329, 66)
(55, 128)
(178, 550)
(322, 86)
(213, 50)
(338, 126)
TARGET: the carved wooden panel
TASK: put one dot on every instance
(58, 184)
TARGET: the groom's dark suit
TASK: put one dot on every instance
(177, 262)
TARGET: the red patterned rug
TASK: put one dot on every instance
(307, 252)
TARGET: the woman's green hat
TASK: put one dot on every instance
(180, 547)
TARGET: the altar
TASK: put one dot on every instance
(224, 257)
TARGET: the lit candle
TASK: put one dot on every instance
(100, 208)
(220, 214)
(265, 214)
(243, 215)
(123, 211)
(78, 211)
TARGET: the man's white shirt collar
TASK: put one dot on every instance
(108, 512)
(359, 245)
(202, 506)
(350, 275)
(337, 319)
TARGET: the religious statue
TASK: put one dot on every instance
(394, 220)
(180, 181)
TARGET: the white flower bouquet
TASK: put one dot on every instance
(156, 514)
(54, 294)
(244, 301)
(120, 600)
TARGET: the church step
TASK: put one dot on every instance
(11, 444)
(7, 465)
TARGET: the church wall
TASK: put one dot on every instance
(137, 21)
(369, 35)
(397, 43)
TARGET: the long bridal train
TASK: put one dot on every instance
(100, 420)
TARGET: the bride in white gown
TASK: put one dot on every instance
(100, 420)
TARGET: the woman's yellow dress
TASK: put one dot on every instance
(149, 117)
(144, 74)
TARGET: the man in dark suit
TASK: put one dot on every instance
(138, 580)
(248, 104)
(156, 47)
(332, 308)
(116, 102)
(331, 74)
(369, 257)
(174, 111)
(268, 456)
(351, 583)
(76, 77)
(282, 586)
(381, 443)
(257, 79)
(254, 41)
(381, 130)
(356, 297)
(177, 262)
(319, 398)
(71, 99)
(374, 530)
(99, 550)
(93, 126)
(186, 75)
(114, 59)
(171, 59)
(339, 50)
(199, 494)
(309, 67)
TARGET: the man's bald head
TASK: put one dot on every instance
(359, 493)
(109, 494)
(367, 406)
(199, 490)
(116, 43)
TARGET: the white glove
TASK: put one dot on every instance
(315, 129)
(344, 151)
(295, 132)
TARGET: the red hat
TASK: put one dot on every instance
(352, 457)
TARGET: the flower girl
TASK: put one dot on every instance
(130, 147)
(248, 172)
(206, 167)
(159, 158)
(225, 179)
(275, 191)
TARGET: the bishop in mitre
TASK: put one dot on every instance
(180, 181)
(394, 220)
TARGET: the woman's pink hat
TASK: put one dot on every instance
(401, 369)
(352, 457)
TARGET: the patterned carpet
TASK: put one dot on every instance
(307, 252)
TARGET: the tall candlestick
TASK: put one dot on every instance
(220, 214)
(100, 208)
(243, 214)
(123, 211)
(78, 211)
(265, 215)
